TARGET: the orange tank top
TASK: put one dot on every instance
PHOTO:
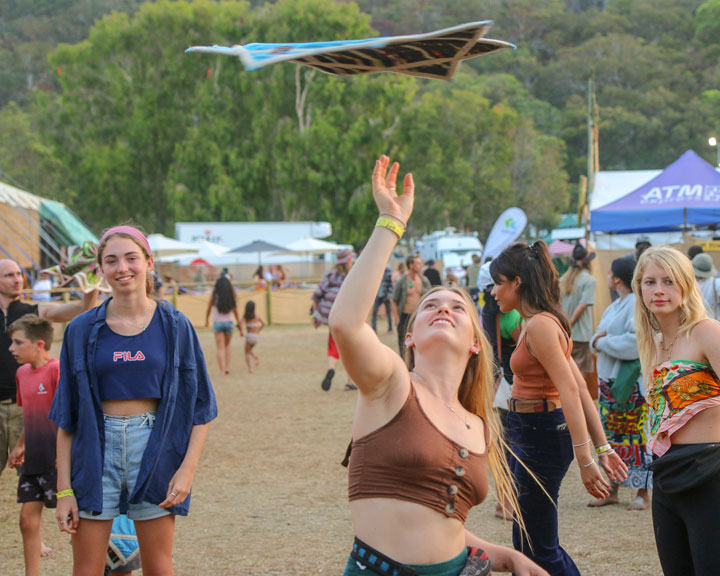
(410, 459)
(530, 380)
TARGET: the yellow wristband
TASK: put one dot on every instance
(390, 224)
(68, 492)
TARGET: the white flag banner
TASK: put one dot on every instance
(505, 231)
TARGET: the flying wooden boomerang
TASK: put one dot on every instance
(433, 55)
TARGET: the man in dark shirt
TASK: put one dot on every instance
(11, 308)
(432, 274)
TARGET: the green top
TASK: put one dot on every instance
(508, 322)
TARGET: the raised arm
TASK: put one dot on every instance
(66, 312)
(369, 363)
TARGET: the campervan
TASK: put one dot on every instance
(450, 250)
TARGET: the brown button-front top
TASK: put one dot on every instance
(410, 459)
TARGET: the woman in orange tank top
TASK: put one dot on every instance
(551, 414)
(444, 393)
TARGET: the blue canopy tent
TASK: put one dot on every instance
(686, 193)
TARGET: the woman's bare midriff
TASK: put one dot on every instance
(407, 532)
(701, 428)
(129, 407)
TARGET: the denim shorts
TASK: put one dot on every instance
(125, 440)
(226, 327)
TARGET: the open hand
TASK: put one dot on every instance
(594, 482)
(384, 184)
(614, 467)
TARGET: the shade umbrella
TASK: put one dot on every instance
(560, 248)
(258, 246)
(163, 246)
(310, 245)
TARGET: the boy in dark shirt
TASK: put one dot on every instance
(36, 380)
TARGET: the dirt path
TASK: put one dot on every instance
(270, 495)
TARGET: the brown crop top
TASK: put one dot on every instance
(410, 459)
(530, 380)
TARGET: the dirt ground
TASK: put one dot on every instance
(270, 496)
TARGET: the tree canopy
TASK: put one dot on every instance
(106, 112)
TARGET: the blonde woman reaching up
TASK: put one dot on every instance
(409, 497)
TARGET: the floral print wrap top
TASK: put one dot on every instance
(678, 390)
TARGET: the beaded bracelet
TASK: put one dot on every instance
(63, 493)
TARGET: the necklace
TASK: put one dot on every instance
(463, 420)
(141, 327)
(668, 349)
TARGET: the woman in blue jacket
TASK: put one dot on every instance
(133, 406)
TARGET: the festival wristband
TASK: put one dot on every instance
(392, 225)
(603, 449)
(393, 217)
(63, 493)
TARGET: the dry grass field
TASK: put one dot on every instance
(269, 496)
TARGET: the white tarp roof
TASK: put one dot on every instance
(613, 185)
(18, 198)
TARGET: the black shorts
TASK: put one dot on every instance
(38, 488)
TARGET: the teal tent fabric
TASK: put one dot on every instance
(66, 228)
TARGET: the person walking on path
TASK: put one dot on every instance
(11, 309)
(577, 287)
(223, 305)
(473, 272)
(552, 417)
(622, 403)
(323, 299)
(133, 407)
(253, 326)
(423, 431)
(383, 299)
(680, 358)
(407, 292)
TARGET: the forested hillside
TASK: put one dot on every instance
(102, 109)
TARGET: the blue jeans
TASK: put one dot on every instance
(125, 440)
(388, 311)
(542, 441)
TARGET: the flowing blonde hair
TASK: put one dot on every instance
(692, 308)
(476, 394)
(568, 280)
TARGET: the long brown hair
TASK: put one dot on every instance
(539, 288)
(476, 394)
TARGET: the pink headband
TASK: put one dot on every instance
(130, 231)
